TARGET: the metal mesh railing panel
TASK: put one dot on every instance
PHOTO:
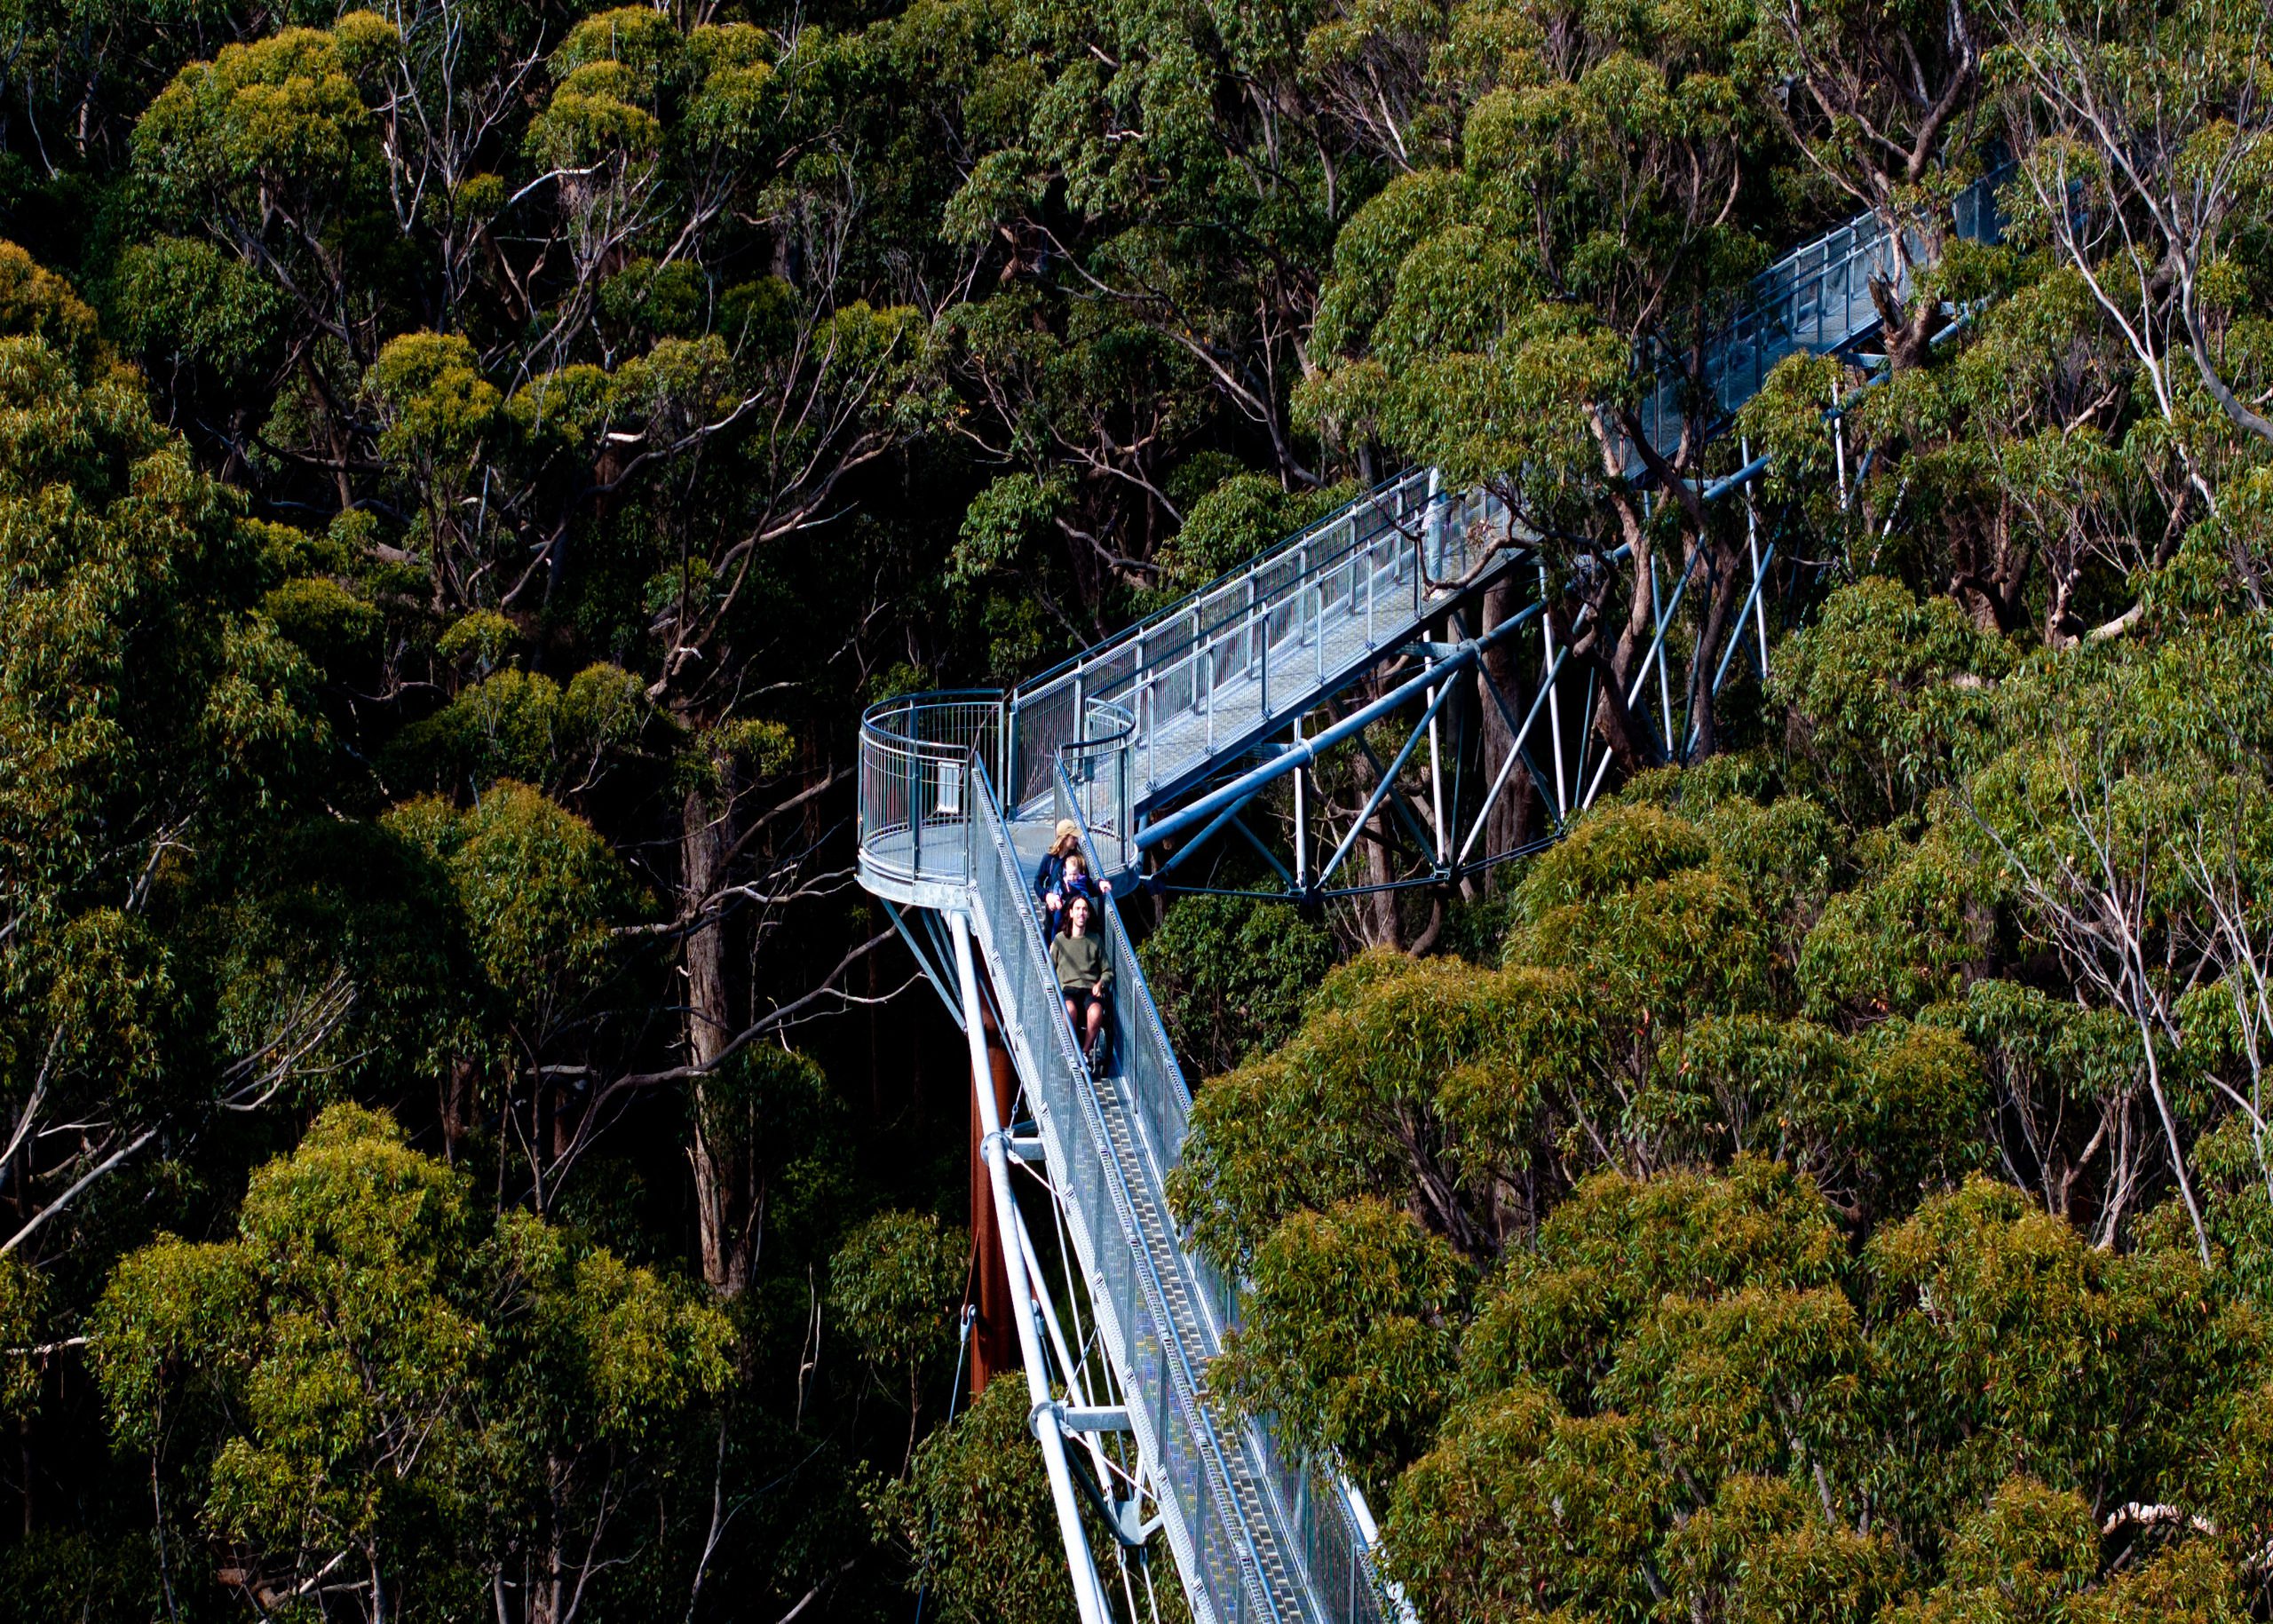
(1311, 1511)
(1815, 298)
(915, 780)
(1162, 1388)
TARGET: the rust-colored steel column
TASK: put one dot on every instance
(995, 1338)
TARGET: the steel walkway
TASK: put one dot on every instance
(1119, 739)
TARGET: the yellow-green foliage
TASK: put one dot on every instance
(1684, 1375)
(283, 113)
(541, 893)
(1430, 1071)
(35, 303)
(369, 1351)
(1884, 691)
(520, 724)
(894, 1285)
(1787, 1334)
(1350, 1334)
(154, 725)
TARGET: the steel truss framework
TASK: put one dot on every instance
(1157, 744)
(1442, 833)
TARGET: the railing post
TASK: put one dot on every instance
(1197, 651)
(1264, 681)
(1432, 528)
(1207, 676)
(1143, 704)
(1249, 622)
(1367, 564)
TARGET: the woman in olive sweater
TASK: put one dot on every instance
(1084, 973)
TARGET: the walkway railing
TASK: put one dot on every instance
(1389, 553)
(1311, 1501)
(1218, 667)
(1121, 1256)
(1098, 785)
(1814, 299)
(914, 804)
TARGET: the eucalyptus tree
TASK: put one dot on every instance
(1711, 1423)
(377, 1400)
(159, 746)
(567, 324)
(1886, 106)
(2141, 138)
(1505, 318)
(1144, 203)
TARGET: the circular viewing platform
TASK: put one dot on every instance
(921, 757)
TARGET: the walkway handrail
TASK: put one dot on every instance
(1235, 621)
(1096, 770)
(1161, 1382)
(1787, 308)
(1182, 606)
(1383, 563)
(1332, 1547)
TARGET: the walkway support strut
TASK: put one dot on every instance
(1088, 1594)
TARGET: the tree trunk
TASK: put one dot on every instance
(1498, 680)
(716, 1150)
(1386, 929)
(457, 1108)
(1727, 593)
(1378, 924)
(1909, 334)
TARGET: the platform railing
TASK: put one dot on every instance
(1816, 299)
(1173, 663)
(1098, 774)
(915, 788)
(1267, 639)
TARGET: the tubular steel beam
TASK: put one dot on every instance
(1386, 784)
(924, 962)
(1515, 753)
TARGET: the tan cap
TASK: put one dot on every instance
(1066, 825)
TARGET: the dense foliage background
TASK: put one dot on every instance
(471, 1152)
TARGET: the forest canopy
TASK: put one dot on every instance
(471, 1149)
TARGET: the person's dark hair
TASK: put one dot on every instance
(1071, 903)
